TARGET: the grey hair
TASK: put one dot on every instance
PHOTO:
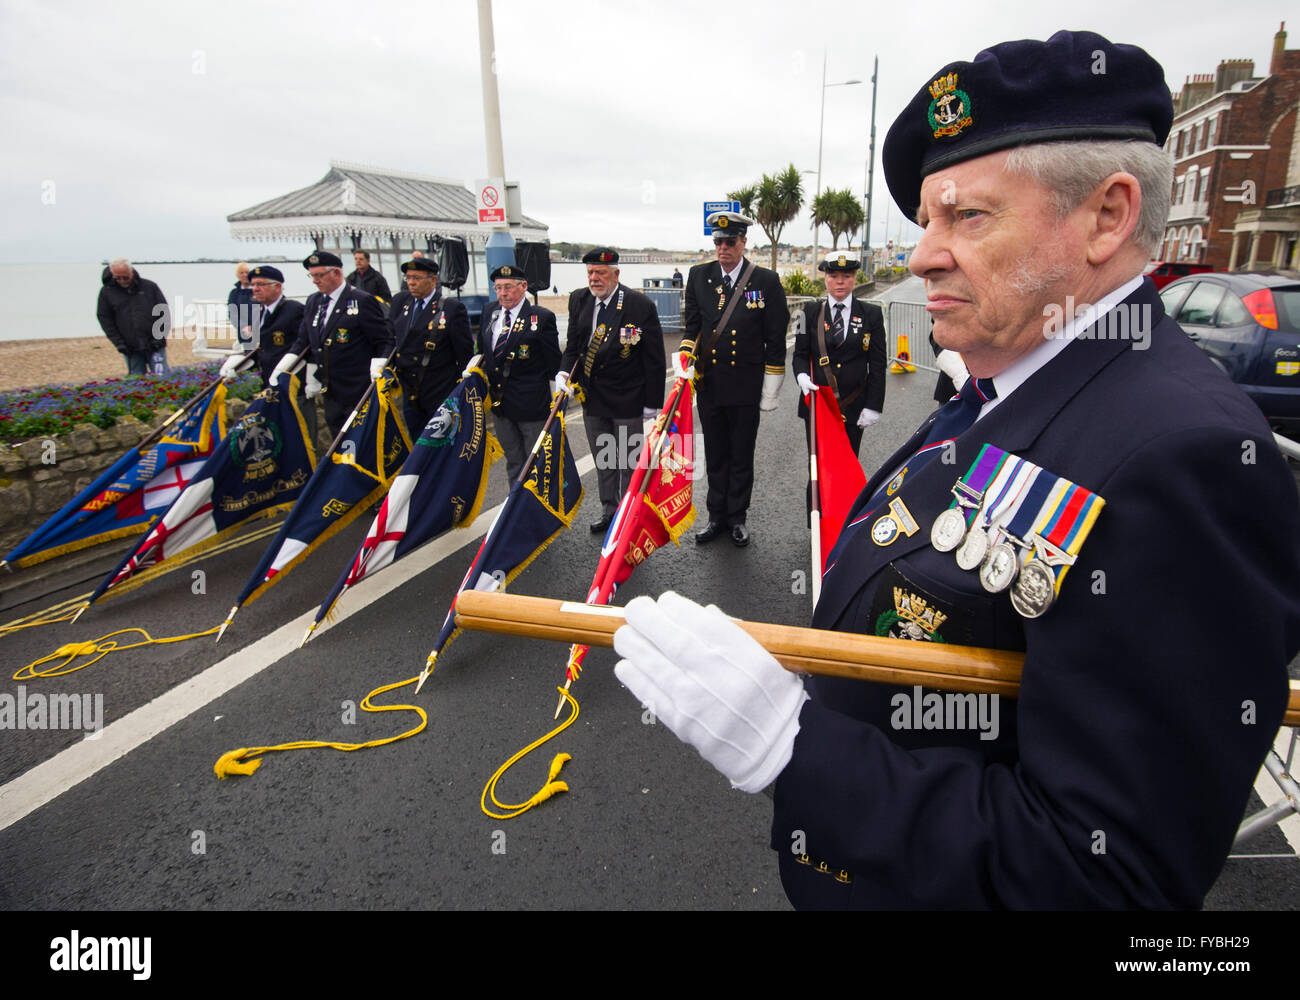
(120, 262)
(1072, 171)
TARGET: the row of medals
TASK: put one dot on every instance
(998, 562)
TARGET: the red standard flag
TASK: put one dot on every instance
(655, 509)
(839, 475)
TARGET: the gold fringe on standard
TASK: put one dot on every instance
(552, 786)
(103, 646)
(246, 760)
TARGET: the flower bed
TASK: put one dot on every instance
(56, 409)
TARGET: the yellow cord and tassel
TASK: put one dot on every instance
(103, 646)
(552, 786)
(36, 620)
(246, 760)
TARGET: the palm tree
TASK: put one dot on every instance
(846, 217)
(824, 207)
(745, 196)
(779, 199)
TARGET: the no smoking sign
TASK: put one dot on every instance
(491, 212)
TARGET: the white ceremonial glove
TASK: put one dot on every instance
(229, 366)
(712, 685)
(473, 363)
(311, 386)
(867, 417)
(678, 370)
(648, 414)
(377, 367)
(806, 384)
(562, 383)
(951, 364)
(771, 391)
(283, 365)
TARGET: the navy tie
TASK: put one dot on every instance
(726, 284)
(954, 417)
(837, 328)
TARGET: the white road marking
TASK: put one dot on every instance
(50, 779)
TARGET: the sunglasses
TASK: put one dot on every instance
(724, 241)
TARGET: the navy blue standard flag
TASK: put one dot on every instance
(440, 486)
(129, 495)
(352, 477)
(534, 513)
(257, 470)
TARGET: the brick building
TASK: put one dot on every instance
(1236, 196)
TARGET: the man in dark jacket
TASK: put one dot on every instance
(134, 315)
(368, 279)
(240, 309)
(434, 342)
(521, 352)
(615, 338)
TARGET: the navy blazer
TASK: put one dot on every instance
(532, 356)
(625, 378)
(345, 343)
(857, 364)
(1151, 689)
(429, 373)
(276, 334)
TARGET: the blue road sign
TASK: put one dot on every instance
(717, 206)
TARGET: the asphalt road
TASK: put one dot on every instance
(646, 823)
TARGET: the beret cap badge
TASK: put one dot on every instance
(950, 109)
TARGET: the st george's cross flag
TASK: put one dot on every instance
(129, 495)
(258, 469)
(440, 486)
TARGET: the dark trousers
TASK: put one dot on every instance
(616, 444)
(336, 413)
(729, 436)
(415, 415)
(517, 439)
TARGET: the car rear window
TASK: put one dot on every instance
(1233, 312)
(1200, 305)
(1288, 309)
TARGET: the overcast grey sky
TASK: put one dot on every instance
(134, 128)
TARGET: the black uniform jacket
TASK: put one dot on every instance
(753, 342)
(277, 334)
(344, 344)
(858, 364)
(521, 373)
(627, 372)
(1151, 688)
(431, 357)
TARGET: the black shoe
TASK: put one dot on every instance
(710, 533)
(599, 527)
(739, 536)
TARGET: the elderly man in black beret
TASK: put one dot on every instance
(344, 333)
(614, 331)
(1080, 501)
(434, 342)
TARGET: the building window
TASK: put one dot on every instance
(1205, 186)
(1200, 135)
(1195, 245)
(1171, 245)
(1178, 191)
(1213, 129)
(1182, 244)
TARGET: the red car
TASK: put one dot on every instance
(1161, 272)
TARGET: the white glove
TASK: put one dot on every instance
(562, 383)
(867, 417)
(473, 363)
(771, 391)
(806, 384)
(229, 367)
(678, 370)
(648, 414)
(951, 364)
(312, 387)
(377, 367)
(712, 685)
(283, 365)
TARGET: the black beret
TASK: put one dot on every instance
(1075, 85)
(728, 223)
(601, 255)
(839, 262)
(268, 272)
(322, 258)
(508, 271)
(420, 264)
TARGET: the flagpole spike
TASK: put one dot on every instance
(307, 635)
(80, 612)
(226, 624)
(428, 669)
(563, 691)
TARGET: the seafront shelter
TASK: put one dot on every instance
(387, 213)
